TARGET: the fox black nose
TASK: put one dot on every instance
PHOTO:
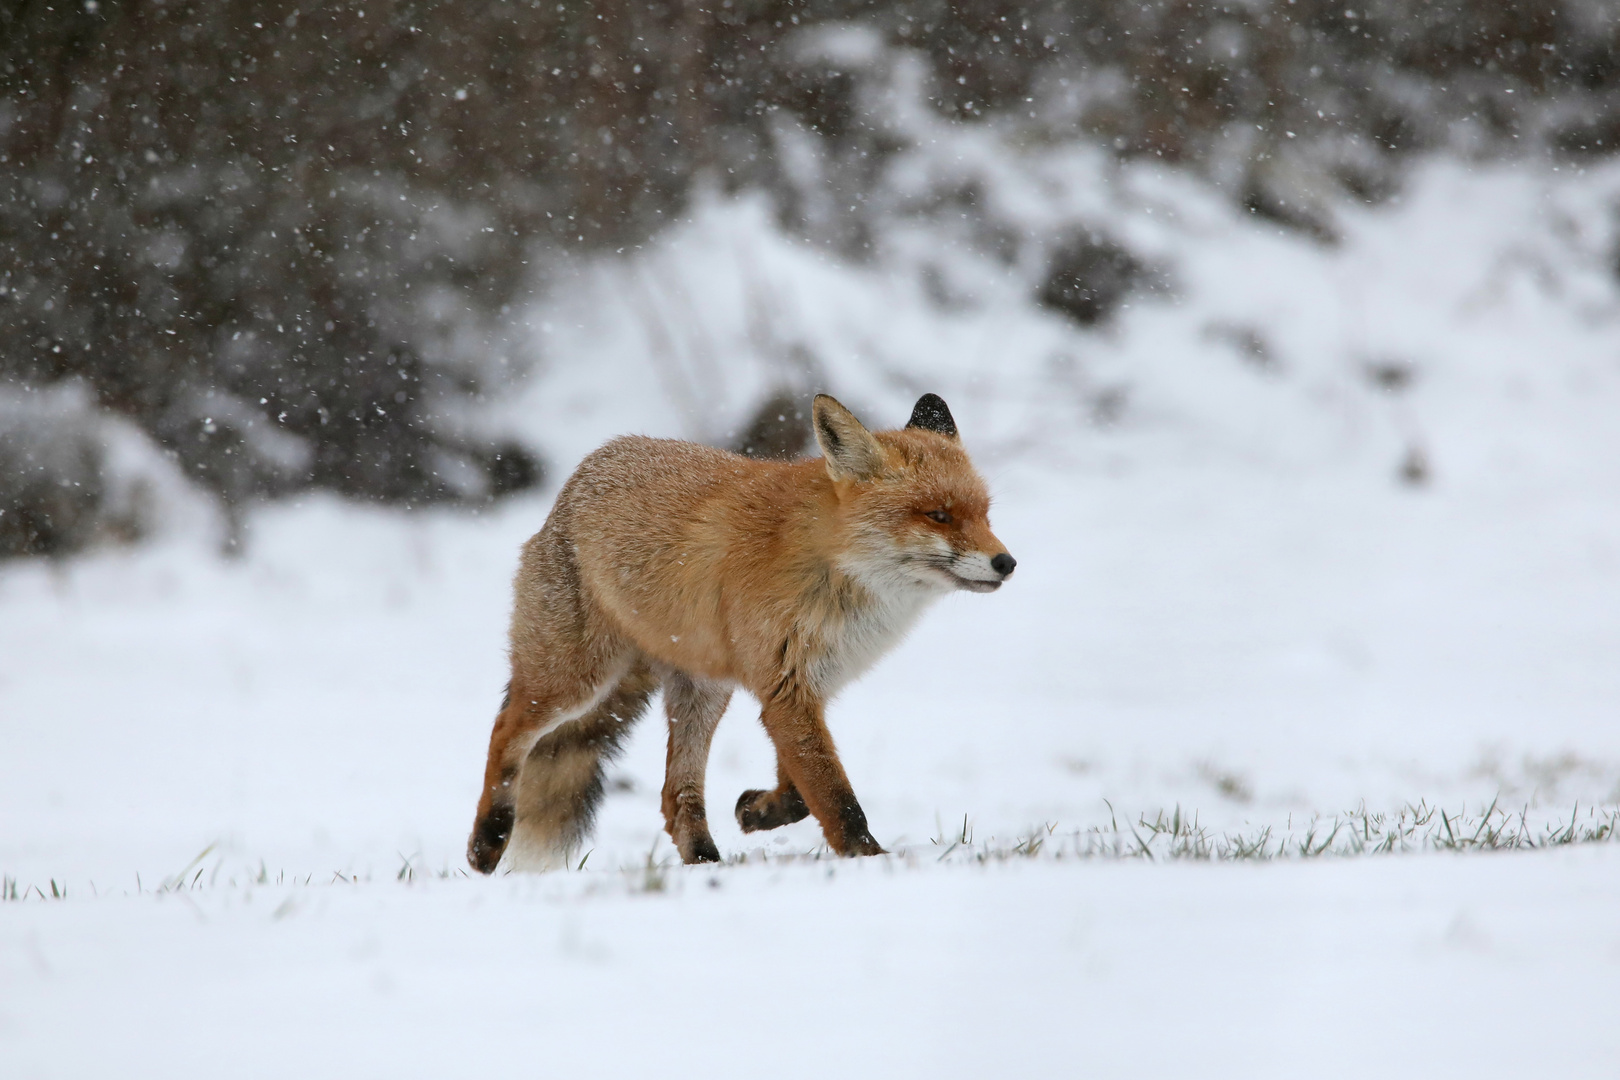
(1003, 564)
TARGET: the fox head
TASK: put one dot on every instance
(916, 510)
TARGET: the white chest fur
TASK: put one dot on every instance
(864, 634)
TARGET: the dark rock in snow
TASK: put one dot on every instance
(780, 429)
(52, 497)
(1089, 277)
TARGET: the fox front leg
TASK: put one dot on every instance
(804, 751)
(757, 810)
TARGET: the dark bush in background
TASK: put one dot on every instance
(281, 237)
(1089, 277)
(51, 495)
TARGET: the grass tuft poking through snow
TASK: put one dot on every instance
(1413, 828)
(1170, 836)
(1177, 835)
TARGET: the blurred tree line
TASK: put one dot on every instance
(280, 237)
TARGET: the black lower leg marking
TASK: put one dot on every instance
(489, 838)
(703, 850)
(858, 839)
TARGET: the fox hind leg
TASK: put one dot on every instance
(694, 707)
(560, 786)
(542, 780)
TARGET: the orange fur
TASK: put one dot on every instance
(708, 571)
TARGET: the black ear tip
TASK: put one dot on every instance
(932, 414)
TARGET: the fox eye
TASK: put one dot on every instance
(941, 516)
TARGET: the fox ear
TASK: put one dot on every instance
(932, 414)
(849, 448)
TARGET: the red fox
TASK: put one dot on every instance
(669, 563)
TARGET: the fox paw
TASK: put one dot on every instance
(699, 849)
(690, 831)
(757, 810)
(863, 845)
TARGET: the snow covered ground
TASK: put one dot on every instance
(1399, 967)
(1228, 601)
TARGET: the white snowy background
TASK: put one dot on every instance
(1229, 601)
